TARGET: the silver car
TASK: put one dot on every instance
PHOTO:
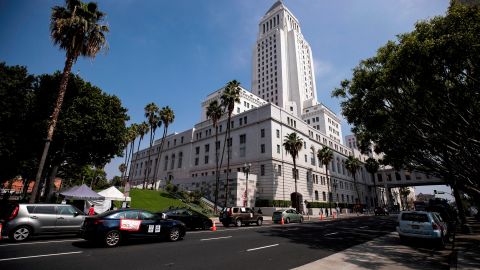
(26, 220)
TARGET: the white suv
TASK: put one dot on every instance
(422, 225)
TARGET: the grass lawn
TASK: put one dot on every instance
(153, 200)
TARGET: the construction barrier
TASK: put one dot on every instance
(214, 227)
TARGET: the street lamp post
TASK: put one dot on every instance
(246, 170)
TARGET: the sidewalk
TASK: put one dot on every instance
(466, 254)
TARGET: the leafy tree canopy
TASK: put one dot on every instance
(90, 130)
(418, 99)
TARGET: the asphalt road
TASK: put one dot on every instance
(266, 247)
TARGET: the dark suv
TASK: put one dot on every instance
(239, 215)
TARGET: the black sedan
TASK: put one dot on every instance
(112, 227)
(192, 219)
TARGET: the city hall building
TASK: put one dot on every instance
(283, 100)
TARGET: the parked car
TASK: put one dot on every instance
(25, 220)
(381, 211)
(113, 227)
(192, 219)
(239, 215)
(422, 225)
(289, 215)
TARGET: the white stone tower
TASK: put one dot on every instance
(282, 62)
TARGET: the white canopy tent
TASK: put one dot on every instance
(110, 194)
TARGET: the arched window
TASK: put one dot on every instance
(324, 196)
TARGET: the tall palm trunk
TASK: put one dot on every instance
(328, 189)
(217, 173)
(147, 167)
(53, 123)
(159, 155)
(374, 190)
(297, 206)
(356, 188)
(136, 157)
(228, 158)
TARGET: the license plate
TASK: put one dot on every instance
(415, 227)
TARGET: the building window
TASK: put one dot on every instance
(379, 177)
(206, 159)
(207, 148)
(324, 196)
(262, 170)
(196, 161)
(397, 176)
(262, 133)
(172, 165)
(278, 149)
(262, 148)
(407, 175)
(278, 133)
(243, 140)
(279, 170)
(197, 150)
(316, 195)
(165, 167)
(180, 158)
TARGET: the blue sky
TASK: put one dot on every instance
(177, 52)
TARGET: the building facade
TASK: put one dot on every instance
(283, 100)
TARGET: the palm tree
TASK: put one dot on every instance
(372, 166)
(353, 164)
(230, 96)
(122, 168)
(167, 116)
(214, 112)
(75, 28)
(129, 140)
(143, 129)
(293, 144)
(325, 156)
(151, 113)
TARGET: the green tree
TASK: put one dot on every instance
(230, 96)
(417, 100)
(89, 131)
(353, 164)
(129, 144)
(116, 181)
(166, 117)
(325, 156)
(214, 112)
(372, 166)
(78, 30)
(17, 149)
(293, 144)
(151, 113)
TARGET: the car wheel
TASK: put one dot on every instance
(21, 233)
(259, 222)
(287, 220)
(301, 219)
(238, 222)
(174, 234)
(112, 238)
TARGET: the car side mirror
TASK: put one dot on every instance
(76, 214)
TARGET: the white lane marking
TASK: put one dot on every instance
(43, 242)
(37, 256)
(208, 239)
(363, 227)
(252, 249)
(331, 234)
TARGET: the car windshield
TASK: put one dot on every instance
(417, 217)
